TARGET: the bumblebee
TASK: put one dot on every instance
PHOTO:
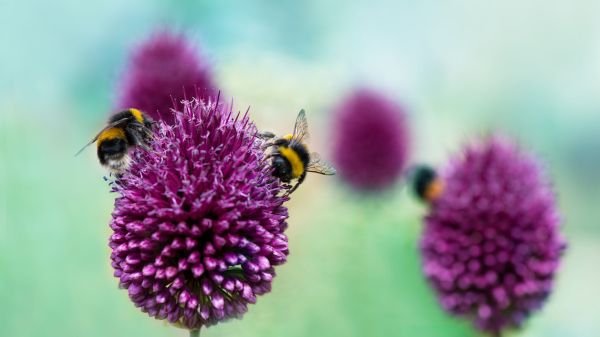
(290, 157)
(427, 185)
(124, 130)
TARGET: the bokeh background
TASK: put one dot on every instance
(529, 68)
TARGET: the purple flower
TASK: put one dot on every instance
(491, 244)
(161, 72)
(199, 224)
(370, 141)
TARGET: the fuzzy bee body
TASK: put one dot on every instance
(290, 157)
(125, 130)
(427, 185)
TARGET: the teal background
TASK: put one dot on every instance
(529, 68)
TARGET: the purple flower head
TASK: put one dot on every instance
(199, 224)
(161, 72)
(370, 141)
(491, 244)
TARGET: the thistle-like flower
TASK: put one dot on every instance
(161, 72)
(491, 244)
(199, 224)
(370, 141)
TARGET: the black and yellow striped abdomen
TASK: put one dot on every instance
(292, 157)
(112, 144)
(291, 161)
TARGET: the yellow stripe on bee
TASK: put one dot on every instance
(137, 114)
(289, 137)
(294, 159)
(110, 133)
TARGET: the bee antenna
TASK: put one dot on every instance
(84, 147)
(79, 152)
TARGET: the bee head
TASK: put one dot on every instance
(282, 168)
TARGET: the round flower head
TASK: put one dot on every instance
(199, 224)
(160, 73)
(370, 141)
(491, 243)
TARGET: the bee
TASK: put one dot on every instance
(124, 130)
(427, 185)
(290, 157)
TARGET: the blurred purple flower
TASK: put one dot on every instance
(491, 244)
(161, 72)
(370, 141)
(199, 224)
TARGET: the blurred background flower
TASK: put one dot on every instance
(198, 226)
(491, 244)
(162, 72)
(370, 141)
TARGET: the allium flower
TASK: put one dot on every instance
(370, 141)
(200, 222)
(161, 72)
(491, 244)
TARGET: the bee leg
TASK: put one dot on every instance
(277, 143)
(287, 194)
(146, 133)
(269, 140)
(143, 146)
(265, 135)
(266, 145)
(300, 180)
(268, 157)
(290, 191)
(139, 139)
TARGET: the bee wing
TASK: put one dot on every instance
(117, 123)
(111, 125)
(318, 165)
(301, 134)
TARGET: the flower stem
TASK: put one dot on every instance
(195, 333)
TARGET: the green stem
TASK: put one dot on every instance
(195, 333)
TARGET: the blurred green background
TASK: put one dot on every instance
(529, 68)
